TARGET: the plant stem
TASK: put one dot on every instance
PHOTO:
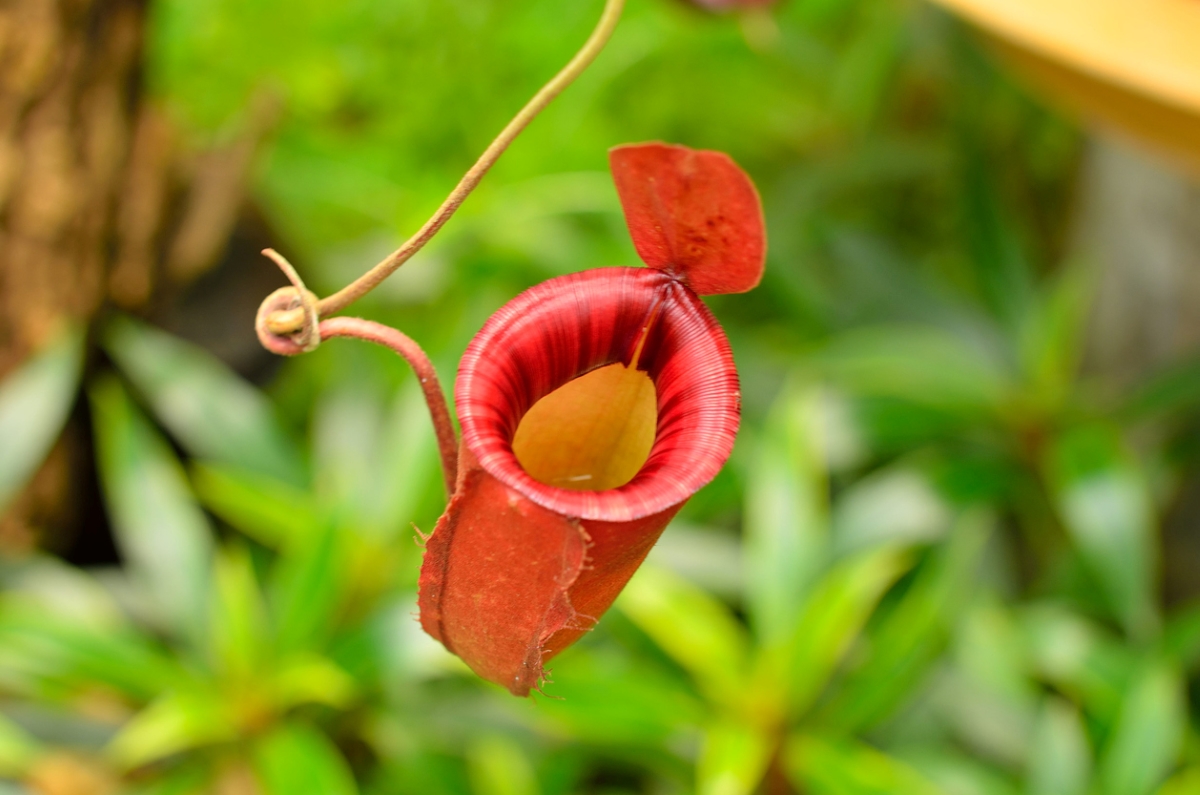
(288, 321)
(426, 375)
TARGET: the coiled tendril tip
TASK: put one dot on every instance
(275, 322)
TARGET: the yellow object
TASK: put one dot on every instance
(1132, 64)
(591, 434)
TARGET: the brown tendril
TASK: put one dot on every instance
(286, 320)
(296, 298)
(289, 320)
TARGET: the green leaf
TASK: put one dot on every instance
(733, 759)
(896, 505)
(176, 722)
(497, 765)
(985, 695)
(611, 699)
(1002, 272)
(307, 590)
(176, 780)
(1148, 734)
(863, 74)
(310, 679)
(237, 619)
(345, 435)
(833, 617)
(296, 759)
(163, 535)
(786, 528)
(270, 511)
(843, 767)
(1185, 782)
(68, 592)
(710, 557)
(17, 749)
(697, 631)
(1051, 339)
(406, 463)
(39, 646)
(34, 403)
(901, 646)
(926, 367)
(1107, 509)
(213, 413)
(1176, 389)
(957, 774)
(374, 466)
(1079, 658)
(1060, 759)
(1181, 637)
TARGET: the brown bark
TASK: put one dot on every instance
(1139, 224)
(68, 98)
(98, 201)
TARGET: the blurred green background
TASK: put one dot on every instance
(933, 566)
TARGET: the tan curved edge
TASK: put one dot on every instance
(1150, 47)
(1173, 133)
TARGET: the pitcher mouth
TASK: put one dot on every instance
(566, 327)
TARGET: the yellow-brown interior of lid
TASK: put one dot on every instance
(591, 434)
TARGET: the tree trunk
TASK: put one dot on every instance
(1140, 224)
(69, 77)
(98, 205)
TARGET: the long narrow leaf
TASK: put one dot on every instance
(176, 722)
(700, 633)
(1079, 658)
(733, 758)
(213, 413)
(786, 529)
(1185, 782)
(238, 630)
(38, 646)
(842, 767)
(609, 699)
(34, 403)
(908, 638)
(1148, 735)
(163, 535)
(1060, 760)
(17, 749)
(1107, 509)
(833, 618)
(307, 590)
(497, 765)
(270, 511)
(927, 367)
(295, 759)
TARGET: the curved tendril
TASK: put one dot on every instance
(313, 332)
(287, 321)
(296, 298)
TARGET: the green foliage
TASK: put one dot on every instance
(933, 565)
(296, 759)
(34, 402)
(164, 536)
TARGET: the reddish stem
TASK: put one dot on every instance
(412, 353)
